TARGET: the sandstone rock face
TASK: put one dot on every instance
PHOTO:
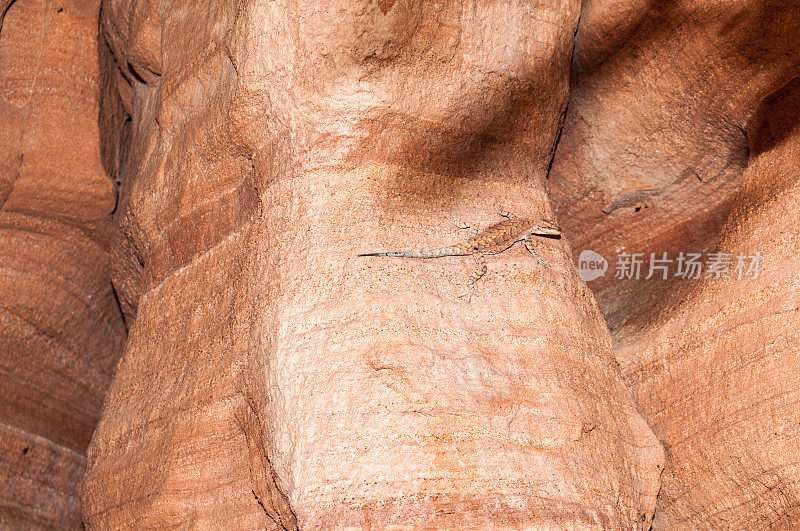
(654, 143)
(274, 379)
(669, 103)
(224, 163)
(60, 326)
(718, 375)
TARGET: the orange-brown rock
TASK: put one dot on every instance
(60, 326)
(654, 144)
(273, 379)
(669, 103)
(718, 373)
(224, 163)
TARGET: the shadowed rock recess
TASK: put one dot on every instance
(188, 338)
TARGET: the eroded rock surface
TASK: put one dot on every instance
(718, 375)
(273, 379)
(60, 326)
(681, 137)
(654, 143)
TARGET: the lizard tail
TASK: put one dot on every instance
(389, 253)
(433, 253)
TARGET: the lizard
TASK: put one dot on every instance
(493, 240)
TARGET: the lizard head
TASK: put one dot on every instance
(547, 227)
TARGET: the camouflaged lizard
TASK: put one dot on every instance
(493, 240)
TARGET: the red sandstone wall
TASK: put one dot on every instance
(61, 330)
(272, 378)
(717, 374)
(223, 164)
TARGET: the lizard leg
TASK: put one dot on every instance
(461, 225)
(529, 247)
(477, 273)
(505, 213)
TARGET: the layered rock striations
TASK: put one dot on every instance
(274, 379)
(188, 186)
(61, 330)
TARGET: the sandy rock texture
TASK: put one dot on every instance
(717, 375)
(681, 136)
(273, 379)
(61, 330)
(185, 188)
(654, 141)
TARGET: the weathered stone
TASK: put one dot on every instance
(60, 326)
(224, 163)
(718, 374)
(271, 372)
(653, 145)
